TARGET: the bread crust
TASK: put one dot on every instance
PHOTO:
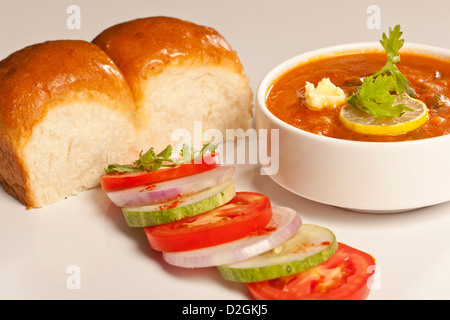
(146, 46)
(45, 72)
(35, 79)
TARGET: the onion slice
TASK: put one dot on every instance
(168, 190)
(284, 224)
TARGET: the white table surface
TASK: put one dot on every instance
(115, 262)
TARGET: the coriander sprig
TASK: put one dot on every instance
(378, 92)
(150, 161)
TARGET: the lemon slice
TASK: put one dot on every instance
(366, 123)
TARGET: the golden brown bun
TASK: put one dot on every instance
(179, 72)
(49, 91)
(145, 46)
(68, 108)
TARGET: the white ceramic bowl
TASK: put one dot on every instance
(379, 177)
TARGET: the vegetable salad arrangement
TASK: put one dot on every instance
(191, 212)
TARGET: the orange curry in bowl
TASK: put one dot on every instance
(428, 76)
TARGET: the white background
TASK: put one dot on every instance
(37, 246)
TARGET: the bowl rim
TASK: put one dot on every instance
(283, 67)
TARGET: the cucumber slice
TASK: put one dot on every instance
(177, 209)
(310, 246)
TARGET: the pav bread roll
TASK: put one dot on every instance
(66, 111)
(179, 72)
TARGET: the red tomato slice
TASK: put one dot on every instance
(112, 181)
(247, 212)
(343, 277)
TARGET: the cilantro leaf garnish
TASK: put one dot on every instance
(189, 154)
(378, 92)
(150, 161)
(375, 97)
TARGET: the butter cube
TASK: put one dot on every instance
(326, 95)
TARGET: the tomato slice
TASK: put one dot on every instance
(342, 277)
(247, 212)
(112, 181)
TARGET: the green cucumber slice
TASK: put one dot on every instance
(310, 246)
(177, 209)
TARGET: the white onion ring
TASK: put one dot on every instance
(170, 189)
(286, 221)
